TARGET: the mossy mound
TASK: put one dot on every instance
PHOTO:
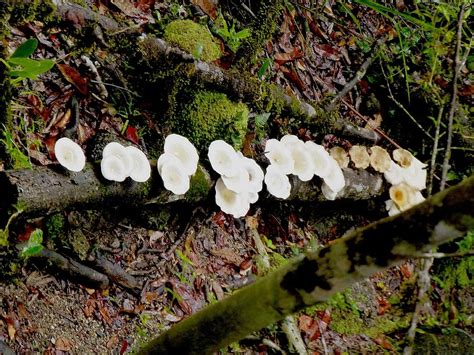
(193, 38)
(210, 116)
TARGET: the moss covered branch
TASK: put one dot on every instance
(315, 276)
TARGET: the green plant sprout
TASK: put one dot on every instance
(231, 38)
(21, 67)
(34, 244)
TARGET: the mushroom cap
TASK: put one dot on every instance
(395, 174)
(114, 148)
(335, 179)
(175, 177)
(277, 182)
(327, 192)
(359, 156)
(184, 150)
(403, 157)
(255, 173)
(113, 168)
(238, 183)
(303, 163)
(253, 197)
(231, 202)
(163, 159)
(401, 195)
(392, 208)
(340, 155)
(223, 158)
(141, 169)
(279, 155)
(321, 159)
(415, 176)
(289, 139)
(379, 159)
(69, 154)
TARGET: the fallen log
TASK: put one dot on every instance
(45, 190)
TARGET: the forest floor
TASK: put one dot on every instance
(192, 255)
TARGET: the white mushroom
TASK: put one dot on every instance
(253, 197)
(379, 159)
(277, 182)
(327, 192)
(321, 159)
(335, 179)
(403, 157)
(303, 162)
(163, 159)
(238, 183)
(392, 208)
(279, 156)
(184, 150)
(289, 139)
(415, 176)
(402, 196)
(340, 155)
(359, 156)
(255, 173)
(69, 154)
(118, 150)
(395, 174)
(230, 202)
(175, 177)
(141, 169)
(223, 158)
(113, 168)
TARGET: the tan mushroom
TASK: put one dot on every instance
(340, 155)
(379, 159)
(401, 196)
(403, 157)
(360, 156)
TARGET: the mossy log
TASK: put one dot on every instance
(315, 276)
(43, 190)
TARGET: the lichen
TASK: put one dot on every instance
(79, 243)
(193, 38)
(200, 186)
(210, 116)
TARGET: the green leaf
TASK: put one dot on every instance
(29, 68)
(261, 120)
(36, 237)
(33, 246)
(31, 251)
(26, 49)
(263, 69)
(245, 33)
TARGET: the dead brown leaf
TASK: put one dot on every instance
(74, 77)
(208, 6)
(63, 344)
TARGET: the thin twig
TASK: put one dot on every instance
(444, 255)
(434, 152)
(453, 105)
(359, 74)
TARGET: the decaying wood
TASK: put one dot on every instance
(317, 275)
(42, 190)
(115, 273)
(72, 269)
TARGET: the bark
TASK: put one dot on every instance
(315, 276)
(43, 190)
(73, 269)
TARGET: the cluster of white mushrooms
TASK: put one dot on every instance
(290, 155)
(408, 178)
(241, 178)
(118, 162)
(177, 164)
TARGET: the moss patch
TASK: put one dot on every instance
(193, 38)
(211, 115)
(200, 185)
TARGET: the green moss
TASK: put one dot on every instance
(29, 10)
(79, 243)
(193, 38)
(200, 185)
(54, 225)
(210, 116)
